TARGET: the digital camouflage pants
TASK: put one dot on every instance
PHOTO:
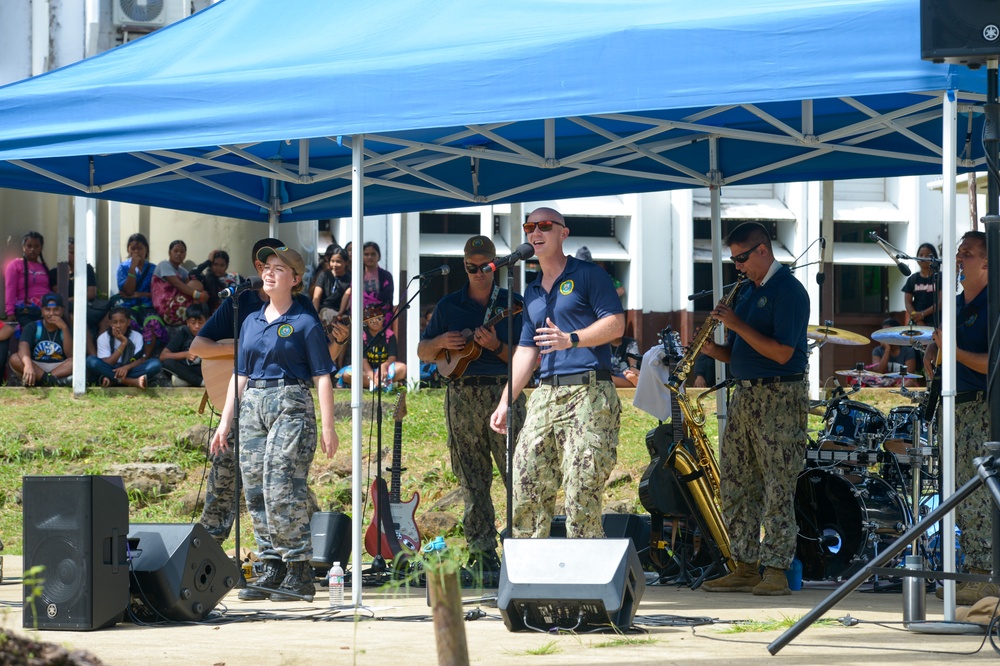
(975, 515)
(760, 460)
(219, 512)
(570, 435)
(277, 443)
(474, 447)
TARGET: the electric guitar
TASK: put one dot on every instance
(398, 531)
(452, 363)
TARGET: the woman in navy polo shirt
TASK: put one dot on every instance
(284, 345)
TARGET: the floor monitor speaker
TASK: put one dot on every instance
(573, 584)
(75, 527)
(960, 32)
(179, 572)
(331, 539)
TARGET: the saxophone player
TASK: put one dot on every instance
(765, 439)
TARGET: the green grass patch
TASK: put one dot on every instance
(552, 647)
(771, 624)
(625, 641)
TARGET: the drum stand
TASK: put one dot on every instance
(987, 475)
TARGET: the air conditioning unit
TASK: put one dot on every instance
(148, 14)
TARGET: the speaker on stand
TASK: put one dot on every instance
(75, 527)
(572, 584)
(959, 32)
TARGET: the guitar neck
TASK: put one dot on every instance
(396, 471)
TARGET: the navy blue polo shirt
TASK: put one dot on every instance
(583, 294)
(778, 309)
(972, 336)
(220, 325)
(293, 346)
(458, 311)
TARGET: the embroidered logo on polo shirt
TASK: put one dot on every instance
(566, 288)
(972, 320)
(762, 301)
(285, 330)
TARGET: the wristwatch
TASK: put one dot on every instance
(574, 340)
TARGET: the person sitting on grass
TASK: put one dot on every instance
(381, 369)
(184, 367)
(122, 359)
(44, 353)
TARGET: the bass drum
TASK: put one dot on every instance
(844, 522)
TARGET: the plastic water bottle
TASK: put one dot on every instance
(336, 581)
(794, 575)
(435, 545)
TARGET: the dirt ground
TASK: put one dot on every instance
(395, 626)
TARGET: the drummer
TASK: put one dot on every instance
(896, 359)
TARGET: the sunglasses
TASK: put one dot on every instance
(741, 258)
(472, 269)
(543, 225)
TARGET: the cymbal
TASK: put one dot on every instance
(901, 375)
(859, 374)
(903, 335)
(837, 336)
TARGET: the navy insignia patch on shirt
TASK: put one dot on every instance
(762, 301)
(566, 288)
(285, 330)
(972, 320)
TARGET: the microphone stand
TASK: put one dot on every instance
(378, 562)
(236, 433)
(510, 402)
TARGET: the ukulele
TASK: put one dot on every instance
(399, 527)
(452, 363)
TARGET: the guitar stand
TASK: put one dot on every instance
(986, 475)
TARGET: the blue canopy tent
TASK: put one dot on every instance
(310, 109)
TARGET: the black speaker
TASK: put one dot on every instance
(75, 527)
(616, 526)
(179, 572)
(331, 539)
(960, 32)
(577, 584)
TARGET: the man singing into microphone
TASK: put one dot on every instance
(471, 395)
(570, 434)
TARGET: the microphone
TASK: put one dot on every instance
(440, 270)
(523, 251)
(903, 268)
(250, 283)
(821, 273)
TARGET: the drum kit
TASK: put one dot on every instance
(867, 474)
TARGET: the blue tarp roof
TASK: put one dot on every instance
(471, 102)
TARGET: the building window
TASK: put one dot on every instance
(449, 223)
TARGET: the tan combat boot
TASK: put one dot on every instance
(973, 592)
(741, 580)
(773, 584)
(939, 592)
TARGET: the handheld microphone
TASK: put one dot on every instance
(440, 270)
(523, 251)
(821, 272)
(903, 268)
(250, 283)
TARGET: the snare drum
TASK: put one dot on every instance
(900, 430)
(850, 425)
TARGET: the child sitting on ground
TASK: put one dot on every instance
(122, 357)
(184, 367)
(44, 353)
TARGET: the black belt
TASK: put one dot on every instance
(578, 379)
(479, 380)
(963, 397)
(275, 383)
(764, 381)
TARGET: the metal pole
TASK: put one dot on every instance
(357, 314)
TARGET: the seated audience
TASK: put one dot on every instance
(381, 370)
(332, 283)
(173, 287)
(44, 353)
(184, 367)
(26, 280)
(897, 359)
(624, 362)
(123, 357)
(135, 291)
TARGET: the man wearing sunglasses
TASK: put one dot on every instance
(765, 439)
(459, 326)
(571, 432)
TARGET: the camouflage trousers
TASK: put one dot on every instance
(570, 434)
(975, 515)
(220, 508)
(474, 447)
(760, 461)
(277, 443)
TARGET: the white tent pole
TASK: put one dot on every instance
(84, 213)
(357, 313)
(715, 191)
(949, 127)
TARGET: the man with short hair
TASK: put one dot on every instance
(570, 433)
(44, 353)
(765, 440)
(458, 329)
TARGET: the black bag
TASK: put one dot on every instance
(27, 314)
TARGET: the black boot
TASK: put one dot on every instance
(298, 581)
(274, 573)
